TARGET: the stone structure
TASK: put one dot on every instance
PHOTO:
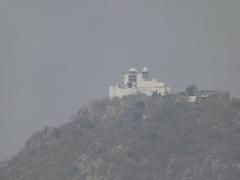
(134, 82)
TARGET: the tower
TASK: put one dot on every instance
(132, 78)
(145, 73)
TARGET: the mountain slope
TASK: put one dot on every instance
(136, 138)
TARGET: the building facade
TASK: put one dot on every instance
(134, 82)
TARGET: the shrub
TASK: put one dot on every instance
(152, 136)
(140, 105)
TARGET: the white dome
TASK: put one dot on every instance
(145, 70)
(133, 70)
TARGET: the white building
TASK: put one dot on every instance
(134, 82)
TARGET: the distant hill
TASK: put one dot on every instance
(136, 138)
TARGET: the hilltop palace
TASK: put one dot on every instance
(134, 82)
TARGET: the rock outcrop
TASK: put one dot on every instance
(136, 138)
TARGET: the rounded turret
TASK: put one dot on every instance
(145, 73)
(145, 70)
(133, 70)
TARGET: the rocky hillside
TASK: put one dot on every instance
(136, 138)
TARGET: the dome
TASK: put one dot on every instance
(132, 69)
(145, 70)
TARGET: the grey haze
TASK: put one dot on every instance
(56, 55)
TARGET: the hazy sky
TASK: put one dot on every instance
(55, 55)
